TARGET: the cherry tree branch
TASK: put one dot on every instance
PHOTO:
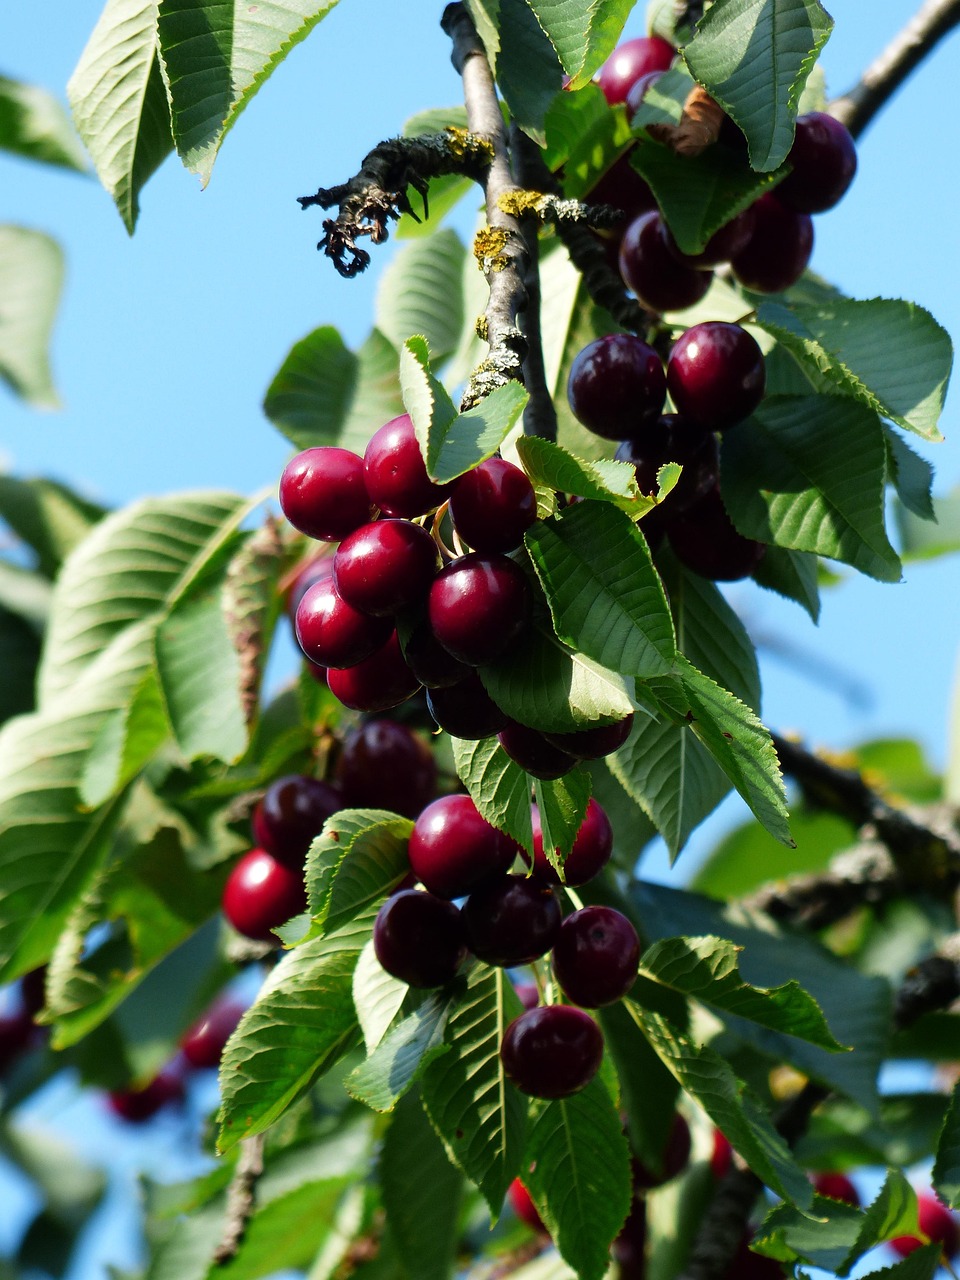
(241, 1198)
(932, 21)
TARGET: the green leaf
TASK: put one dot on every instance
(605, 596)
(424, 397)
(923, 540)
(580, 1176)
(302, 1022)
(50, 518)
(404, 1052)
(480, 1117)
(126, 739)
(753, 57)
(707, 968)
(889, 355)
(582, 39)
(910, 475)
(31, 277)
(19, 659)
(562, 804)
(360, 856)
(216, 56)
(741, 862)
(34, 125)
(421, 292)
(377, 996)
(843, 1135)
(605, 479)
(527, 68)
(477, 433)
(792, 574)
(808, 473)
(498, 787)
(648, 1090)
(946, 1168)
(119, 102)
(584, 135)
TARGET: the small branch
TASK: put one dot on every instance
(241, 1198)
(857, 107)
(602, 283)
(931, 985)
(863, 876)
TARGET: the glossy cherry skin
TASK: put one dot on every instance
(616, 385)
(478, 606)
(384, 765)
(590, 853)
(672, 439)
(429, 661)
(379, 683)
(552, 1051)
(395, 474)
(779, 248)
(466, 710)
(824, 162)
(631, 60)
(261, 894)
(453, 849)
(511, 920)
(721, 1156)
(493, 506)
(722, 245)
(291, 812)
(531, 751)
(595, 956)
(674, 1157)
(139, 1105)
(522, 1205)
(322, 493)
(203, 1044)
(419, 938)
(705, 540)
(593, 744)
(836, 1186)
(651, 272)
(937, 1222)
(385, 566)
(716, 375)
(317, 570)
(332, 633)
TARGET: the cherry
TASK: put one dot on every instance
(317, 570)
(478, 606)
(17, 1031)
(836, 1186)
(629, 1248)
(779, 248)
(429, 661)
(824, 160)
(332, 632)
(623, 188)
(672, 439)
(493, 505)
(379, 683)
(590, 853)
(631, 60)
(522, 1204)
(322, 493)
(936, 1222)
(382, 567)
(453, 849)
(652, 272)
(747, 1265)
(33, 994)
(395, 474)
(592, 744)
(512, 920)
(532, 752)
(721, 1156)
(595, 956)
(723, 245)
(202, 1044)
(262, 893)
(716, 375)
(466, 710)
(139, 1105)
(552, 1051)
(673, 1159)
(384, 765)
(616, 385)
(292, 811)
(705, 540)
(419, 938)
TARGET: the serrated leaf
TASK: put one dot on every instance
(480, 1117)
(648, 1090)
(34, 125)
(808, 474)
(476, 434)
(889, 355)
(910, 475)
(359, 857)
(946, 1168)
(583, 130)
(498, 787)
(605, 596)
(377, 996)
(792, 574)
(580, 1176)
(216, 56)
(753, 57)
(31, 277)
(404, 1052)
(421, 292)
(527, 68)
(604, 479)
(582, 39)
(119, 102)
(562, 804)
(424, 397)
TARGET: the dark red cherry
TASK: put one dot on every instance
(511, 920)
(631, 60)
(395, 474)
(590, 853)
(453, 849)
(705, 540)
(716, 375)
(722, 245)
(466, 710)
(478, 606)
(493, 506)
(836, 1186)
(595, 956)
(673, 1160)
(332, 633)
(623, 188)
(824, 160)
(385, 566)
(138, 1105)
(261, 894)
(522, 1205)
(721, 1155)
(552, 1051)
(419, 938)
(291, 812)
(747, 1265)
(779, 248)
(672, 439)
(935, 1221)
(616, 385)
(649, 269)
(33, 994)
(17, 1031)
(203, 1044)
(379, 683)
(629, 1248)
(593, 744)
(429, 661)
(322, 493)
(317, 570)
(531, 751)
(384, 765)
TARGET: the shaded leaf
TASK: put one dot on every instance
(421, 292)
(34, 125)
(31, 277)
(604, 479)
(404, 1052)
(359, 857)
(377, 996)
(498, 787)
(562, 804)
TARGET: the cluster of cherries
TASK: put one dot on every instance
(715, 370)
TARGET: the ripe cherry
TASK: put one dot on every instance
(395, 474)
(332, 633)
(493, 506)
(595, 956)
(522, 1205)
(290, 814)
(419, 938)
(721, 1155)
(378, 683)
(706, 541)
(779, 248)
(824, 162)
(385, 566)
(552, 1051)
(590, 853)
(384, 765)
(592, 744)
(511, 920)
(631, 60)
(203, 1044)
(936, 1222)
(673, 1160)
(616, 386)
(139, 1105)
(623, 188)
(531, 751)
(429, 661)
(836, 1186)
(466, 710)
(261, 894)
(322, 493)
(649, 269)
(453, 849)
(318, 569)
(716, 375)
(672, 439)
(478, 606)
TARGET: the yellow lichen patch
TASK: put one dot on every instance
(518, 202)
(488, 246)
(464, 143)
